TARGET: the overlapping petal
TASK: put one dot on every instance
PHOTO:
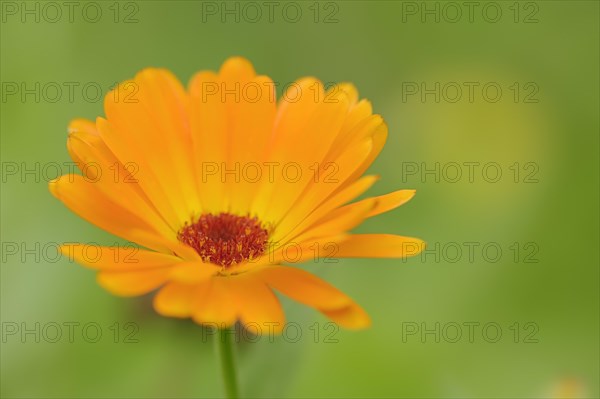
(165, 155)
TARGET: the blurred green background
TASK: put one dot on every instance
(547, 283)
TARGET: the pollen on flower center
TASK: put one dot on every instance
(225, 239)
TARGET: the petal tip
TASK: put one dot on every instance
(237, 66)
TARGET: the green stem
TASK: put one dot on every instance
(225, 350)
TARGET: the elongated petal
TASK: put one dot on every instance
(344, 166)
(132, 283)
(182, 158)
(339, 221)
(208, 124)
(351, 317)
(344, 196)
(384, 203)
(125, 258)
(193, 272)
(153, 132)
(125, 271)
(116, 181)
(314, 292)
(379, 246)
(85, 199)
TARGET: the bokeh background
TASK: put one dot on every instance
(541, 292)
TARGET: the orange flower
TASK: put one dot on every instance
(223, 185)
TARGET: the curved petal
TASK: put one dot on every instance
(152, 130)
(125, 271)
(213, 303)
(315, 193)
(320, 128)
(339, 221)
(328, 205)
(258, 307)
(80, 126)
(351, 317)
(390, 201)
(89, 202)
(175, 300)
(384, 203)
(124, 258)
(99, 166)
(193, 272)
(132, 283)
(314, 292)
(379, 246)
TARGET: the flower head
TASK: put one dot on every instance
(229, 190)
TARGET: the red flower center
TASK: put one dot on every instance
(225, 239)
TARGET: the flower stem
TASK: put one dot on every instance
(225, 350)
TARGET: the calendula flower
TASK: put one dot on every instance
(229, 189)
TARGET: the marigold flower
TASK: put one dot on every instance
(224, 185)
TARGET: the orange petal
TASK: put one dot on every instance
(348, 88)
(352, 317)
(124, 258)
(322, 127)
(250, 113)
(386, 202)
(391, 201)
(208, 125)
(83, 125)
(237, 69)
(314, 194)
(359, 112)
(86, 200)
(99, 165)
(321, 249)
(133, 283)
(123, 271)
(258, 307)
(339, 221)
(80, 126)
(173, 246)
(356, 129)
(379, 137)
(304, 287)
(175, 300)
(193, 272)
(349, 193)
(152, 131)
(314, 292)
(298, 103)
(379, 246)
(214, 303)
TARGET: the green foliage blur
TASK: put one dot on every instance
(493, 119)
